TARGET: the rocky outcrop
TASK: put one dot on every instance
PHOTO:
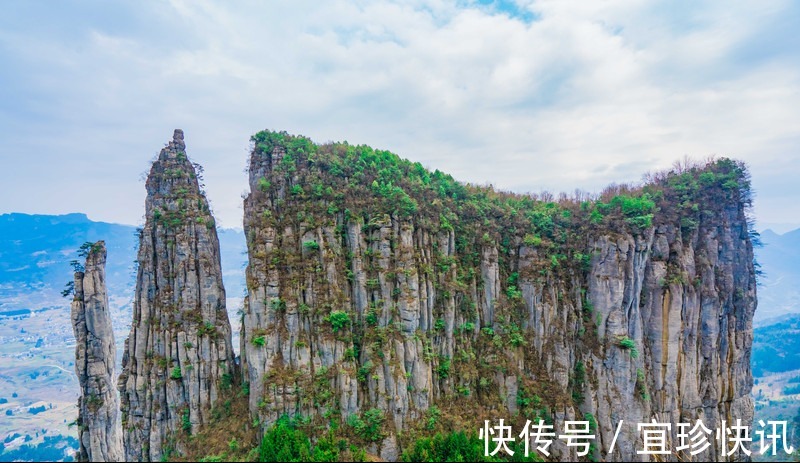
(178, 359)
(386, 303)
(378, 290)
(95, 355)
(685, 296)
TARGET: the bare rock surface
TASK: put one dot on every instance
(98, 406)
(355, 306)
(178, 359)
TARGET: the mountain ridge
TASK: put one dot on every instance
(374, 287)
(396, 281)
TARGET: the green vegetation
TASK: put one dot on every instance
(641, 385)
(531, 406)
(186, 422)
(84, 250)
(69, 289)
(283, 441)
(697, 189)
(226, 382)
(207, 329)
(88, 248)
(342, 188)
(433, 414)
(343, 178)
(516, 339)
(288, 440)
(443, 370)
(339, 320)
(378, 181)
(213, 458)
(578, 380)
(532, 240)
(459, 446)
(515, 336)
(368, 426)
(311, 245)
(592, 456)
(365, 370)
(629, 344)
(513, 293)
(176, 373)
(94, 402)
(638, 211)
(277, 304)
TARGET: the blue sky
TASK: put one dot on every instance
(527, 95)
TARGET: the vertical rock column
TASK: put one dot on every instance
(178, 358)
(98, 424)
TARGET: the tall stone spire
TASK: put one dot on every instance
(98, 406)
(178, 357)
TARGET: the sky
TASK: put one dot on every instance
(526, 95)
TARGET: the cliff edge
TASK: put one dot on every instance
(95, 355)
(178, 359)
(381, 295)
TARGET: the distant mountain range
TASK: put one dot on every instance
(776, 346)
(779, 289)
(35, 252)
(37, 350)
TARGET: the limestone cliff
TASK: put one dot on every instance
(385, 294)
(178, 359)
(95, 356)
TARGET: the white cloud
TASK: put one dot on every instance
(586, 94)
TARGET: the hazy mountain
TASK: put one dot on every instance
(38, 387)
(779, 290)
(35, 251)
(776, 346)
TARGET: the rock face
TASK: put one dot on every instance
(98, 405)
(686, 298)
(395, 302)
(378, 290)
(178, 359)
